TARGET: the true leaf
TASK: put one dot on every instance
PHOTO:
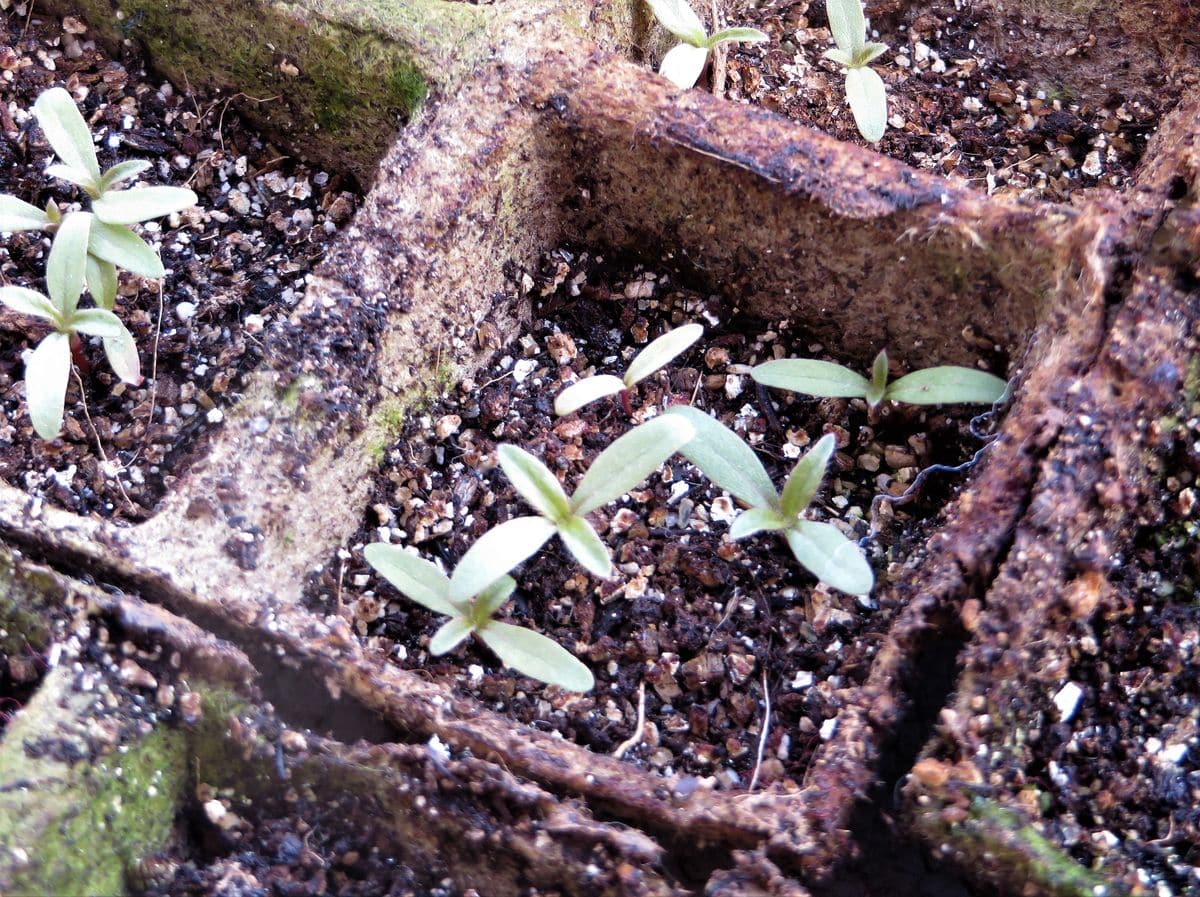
(868, 102)
(847, 24)
(29, 302)
(586, 391)
(536, 656)
(451, 633)
(16, 215)
(534, 481)
(490, 599)
(73, 175)
(947, 385)
(416, 578)
(66, 130)
(141, 204)
(629, 460)
(96, 322)
(660, 351)
(122, 171)
(745, 35)
(67, 261)
(840, 56)
(46, 374)
(725, 459)
(811, 377)
(806, 477)
(830, 556)
(877, 387)
(870, 52)
(495, 553)
(585, 546)
(119, 245)
(755, 520)
(683, 64)
(101, 278)
(678, 17)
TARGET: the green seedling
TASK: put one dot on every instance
(942, 385)
(650, 359)
(525, 651)
(683, 63)
(864, 87)
(616, 470)
(732, 465)
(49, 365)
(111, 243)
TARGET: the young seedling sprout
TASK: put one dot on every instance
(942, 385)
(49, 365)
(616, 470)
(111, 242)
(732, 465)
(683, 63)
(527, 652)
(864, 87)
(650, 359)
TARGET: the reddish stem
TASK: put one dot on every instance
(78, 356)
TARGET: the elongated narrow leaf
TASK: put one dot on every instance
(630, 460)
(847, 24)
(66, 131)
(46, 375)
(678, 17)
(68, 259)
(661, 351)
(725, 459)
(586, 547)
(123, 357)
(840, 56)
(947, 385)
(586, 391)
(121, 172)
(448, 637)
(118, 244)
(868, 102)
(743, 35)
(495, 553)
(806, 477)
(870, 52)
(683, 64)
(73, 175)
(831, 557)
(16, 215)
(877, 388)
(101, 278)
(536, 656)
(491, 598)
(811, 377)
(755, 520)
(141, 204)
(96, 322)
(535, 482)
(416, 578)
(29, 302)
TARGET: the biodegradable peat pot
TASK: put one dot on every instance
(554, 139)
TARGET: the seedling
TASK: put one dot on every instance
(49, 365)
(616, 470)
(942, 385)
(684, 62)
(111, 243)
(650, 359)
(527, 652)
(864, 87)
(732, 465)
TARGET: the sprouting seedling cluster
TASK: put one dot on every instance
(684, 62)
(864, 87)
(87, 250)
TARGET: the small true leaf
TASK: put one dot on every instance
(877, 388)
(586, 546)
(448, 637)
(141, 204)
(490, 599)
(629, 460)
(96, 322)
(118, 244)
(46, 375)
(744, 35)
(534, 481)
(870, 52)
(683, 64)
(416, 578)
(947, 385)
(847, 24)
(101, 277)
(122, 171)
(806, 477)
(67, 261)
(16, 215)
(73, 175)
(536, 656)
(725, 459)
(811, 377)
(660, 351)
(868, 102)
(586, 391)
(840, 56)
(495, 553)
(678, 17)
(66, 131)
(29, 302)
(755, 520)
(830, 556)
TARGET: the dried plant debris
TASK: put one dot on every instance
(954, 106)
(695, 620)
(236, 264)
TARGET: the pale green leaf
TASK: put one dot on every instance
(830, 557)
(683, 64)
(121, 172)
(868, 102)
(415, 578)
(585, 391)
(451, 633)
(534, 481)
(73, 175)
(743, 35)
(495, 553)
(67, 261)
(491, 598)
(586, 547)
(870, 52)
(755, 520)
(119, 245)
(806, 477)
(811, 377)
(66, 130)
(536, 656)
(96, 322)
(123, 357)
(29, 302)
(847, 24)
(629, 460)
(678, 17)
(661, 351)
(840, 56)
(16, 215)
(947, 385)
(877, 388)
(46, 375)
(141, 203)
(101, 278)
(725, 459)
